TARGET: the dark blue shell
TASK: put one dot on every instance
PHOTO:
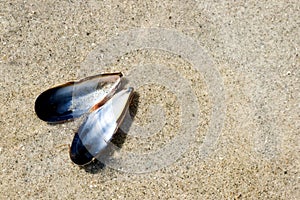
(56, 104)
(78, 153)
(52, 106)
(99, 127)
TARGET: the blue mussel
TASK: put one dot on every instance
(95, 96)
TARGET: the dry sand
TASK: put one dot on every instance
(255, 48)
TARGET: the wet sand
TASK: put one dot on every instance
(235, 115)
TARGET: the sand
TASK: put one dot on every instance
(216, 112)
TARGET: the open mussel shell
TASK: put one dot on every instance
(73, 99)
(99, 127)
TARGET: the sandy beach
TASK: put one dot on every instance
(216, 112)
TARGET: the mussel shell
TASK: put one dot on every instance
(99, 127)
(73, 99)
